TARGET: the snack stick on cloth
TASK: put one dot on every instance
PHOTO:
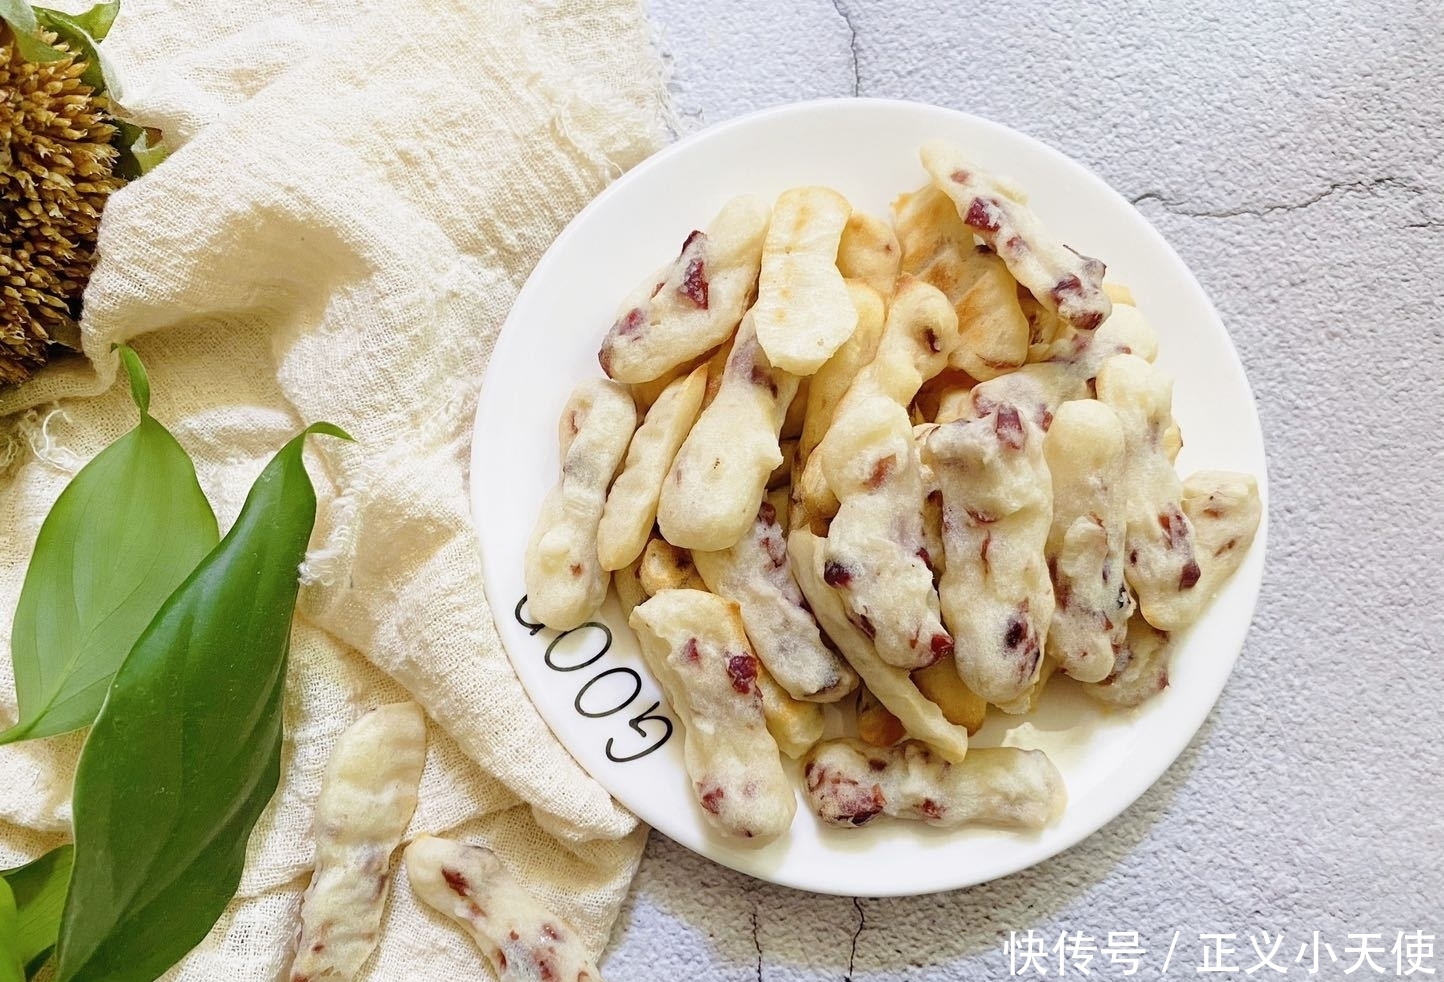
(565, 580)
(1061, 279)
(1085, 454)
(892, 686)
(850, 783)
(692, 305)
(710, 496)
(523, 941)
(803, 310)
(756, 574)
(631, 507)
(367, 798)
(1162, 567)
(997, 508)
(697, 649)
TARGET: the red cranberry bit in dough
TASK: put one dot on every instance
(742, 670)
(711, 797)
(982, 215)
(882, 469)
(835, 574)
(552, 932)
(930, 338)
(931, 809)
(1174, 526)
(960, 176)
(1017, 631)
(763, 379)
(455, 881)
(689, 651)
(1009, 427)
(941, 647)
(631, 323)
(1189, 576)
(767, 513)
(694, 282)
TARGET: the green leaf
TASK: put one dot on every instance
(19, 15)
(120, 538)
(98, 19)
(12, 966)
(140, 149)
(187, 751)
(39, 889)
(73, 32)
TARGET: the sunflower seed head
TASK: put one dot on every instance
(56, 172)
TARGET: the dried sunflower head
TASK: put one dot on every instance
(57, 168)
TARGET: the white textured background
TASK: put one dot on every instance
(1293, 153)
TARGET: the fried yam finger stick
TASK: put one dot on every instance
(869, 253)
(367, 797)
(892, 686)
(565, 581)
(920, 332)
(831, 382)
(523, 941)
(757, 575)
(1162, 566)
(803, 311)
(694, 304)
(876, 553)
(1069, 370)
(631, 507)
(666, 567)
(1062, 280)
(794, 724)
(697, 648)
(850, 783)
(961, 706)
(1084, 449)
(1140, 669)
(710, 495)
(1225, 510)
(997, 508)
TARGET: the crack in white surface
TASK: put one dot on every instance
(1258, 211)
(852, 953)
(846, 16)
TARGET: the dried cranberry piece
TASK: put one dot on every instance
(742, 670)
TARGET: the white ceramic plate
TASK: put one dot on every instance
(591, 685)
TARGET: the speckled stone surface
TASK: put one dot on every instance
(1293, 153)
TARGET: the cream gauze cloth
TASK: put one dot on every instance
(355, 197)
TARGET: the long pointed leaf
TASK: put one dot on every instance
(12, 967)
(120, 538)
(39, 889)
(186, 752)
